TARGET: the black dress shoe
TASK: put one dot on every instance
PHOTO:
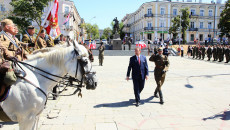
(137, 104)
(225, 62)
(54, 98)
(161, 102)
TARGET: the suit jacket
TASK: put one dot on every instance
(138, 71)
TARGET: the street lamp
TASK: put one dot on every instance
(214, 28)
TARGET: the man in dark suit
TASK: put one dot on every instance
(139, 66)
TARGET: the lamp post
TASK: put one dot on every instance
(180, 29)
(214, 28)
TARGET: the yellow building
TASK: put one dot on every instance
(153, 19)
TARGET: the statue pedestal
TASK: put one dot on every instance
(117, 44)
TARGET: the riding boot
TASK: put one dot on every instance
(161, 97)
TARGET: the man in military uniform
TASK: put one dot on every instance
(29, 38)
(220, 53)
(197, 51)
(209, 53)
(101, 53)
(223, 53)
(203, 52)
(214, 52)
(41, 40)
(227, 53)
(8, 50)
(161, 67)
(193, 51)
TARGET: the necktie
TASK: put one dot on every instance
(139, 60)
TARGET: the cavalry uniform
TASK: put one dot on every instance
(161, 66)
(31, 42)
(41, 43)
(101, 54)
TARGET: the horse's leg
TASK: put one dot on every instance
(27, 124)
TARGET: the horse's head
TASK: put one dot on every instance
(89, 76)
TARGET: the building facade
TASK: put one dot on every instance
(153, 19)
(5, 8)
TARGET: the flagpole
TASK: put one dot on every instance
(43, 22)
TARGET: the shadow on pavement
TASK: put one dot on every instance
(117, 104)
(223, 116)
(125, 103)
(188, 86)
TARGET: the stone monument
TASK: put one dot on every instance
(116, 42)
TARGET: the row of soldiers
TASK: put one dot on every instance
(11, 47)
(217, 52)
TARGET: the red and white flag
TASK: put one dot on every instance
(92, 45)
(141, 44)
(51, 23)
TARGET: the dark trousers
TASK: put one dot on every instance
(182, 53)
(138, 86)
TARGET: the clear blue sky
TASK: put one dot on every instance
(106, 10)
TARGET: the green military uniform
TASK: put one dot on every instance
(223, 53)
(227, 54)
(101, 54)
(193, 52)
(41, 43)
(31, 42)
(209, 53)
(161, 67)
(197, 52)
(220, 53)
(50, 42)
(203, 52)
(214, 52)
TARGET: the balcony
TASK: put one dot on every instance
(148, 15)
(68, 28)
(67, 13)
(148, 28)
(193, 16)
(193, 29)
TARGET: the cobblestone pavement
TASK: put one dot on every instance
(196, 97)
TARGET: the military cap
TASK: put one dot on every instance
(30, 27)
(160, 49)
(6, 22)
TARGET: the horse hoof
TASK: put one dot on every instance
(80, 95)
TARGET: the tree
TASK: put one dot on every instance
(175, 26)
(91, 30)
(185, 20)
(25, 11)
(106, 33)
(224, 24)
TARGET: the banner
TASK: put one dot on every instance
(51, 24)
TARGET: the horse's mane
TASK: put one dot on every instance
(51, 54)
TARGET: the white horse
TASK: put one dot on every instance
(26, 102)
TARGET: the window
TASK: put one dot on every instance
(210, 13)
(162, 11)
(201, 37)
(209, 25)
(201, 24)
(193, 11)
(192, 25)
(201, 12)
(192, 37)
(149, 24)
(66, 9)
(150, 11)
(162, 24)
(174, 12)
(2, 8)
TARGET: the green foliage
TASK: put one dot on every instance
(91, 30)
(106, 33)
(224, 24)
(175, 26)
(26, 11)
(185, 20)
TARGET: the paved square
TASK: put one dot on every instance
(196, 95)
